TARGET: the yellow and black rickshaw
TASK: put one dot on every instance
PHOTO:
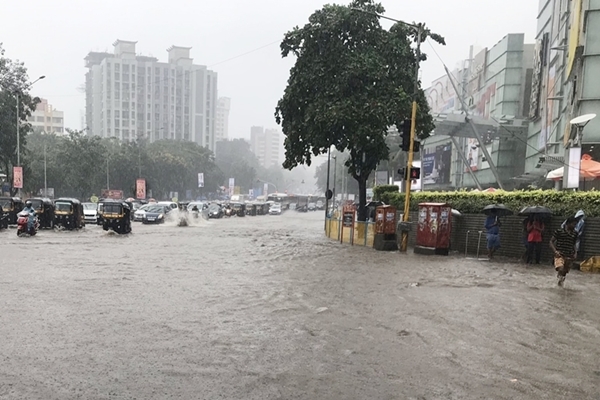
(44, 209)
(238, 209)
(116, 215)
(11, 206)
(68, 214)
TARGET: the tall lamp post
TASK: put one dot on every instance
(334, 176)
(16, 92)
(419, 30)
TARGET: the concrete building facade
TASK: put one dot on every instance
(495, 86)
(131, 97)
(222, 122)
(265, 144)
(47, 119)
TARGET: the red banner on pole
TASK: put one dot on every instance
(140, 189)
(18, 177)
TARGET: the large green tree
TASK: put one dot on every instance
(14, 84)
(351, 81)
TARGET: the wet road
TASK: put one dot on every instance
(268, 308)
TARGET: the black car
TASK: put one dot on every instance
(156, 214)
(215, 211)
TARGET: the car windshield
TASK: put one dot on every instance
(214, 207)
(155, 209)
(6, 204)
(36, 204)
(63, 206)
(145, 207)
(89, 206)
(115, 208)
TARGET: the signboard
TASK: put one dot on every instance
(112, 194)
(251, 192)
(574, 168)
(472, 154)
(348, 218)
(200, 180)
(266, 189)
(436, 165)
(18, 177)
(231, 186)
(140, 189)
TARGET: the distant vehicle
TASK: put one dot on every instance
(90, 212)
(215, 211)
(275, 209)
(68, 213)
(138, 215)
(172, 205)
(293, 206)
(156, 214)
(320, 205)
(311, 207)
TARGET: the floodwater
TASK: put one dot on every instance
(268, 308)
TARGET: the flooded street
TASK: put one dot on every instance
(268, 308)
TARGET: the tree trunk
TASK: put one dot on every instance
(362, 197)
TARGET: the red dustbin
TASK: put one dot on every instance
(385, 220)
(434, 228)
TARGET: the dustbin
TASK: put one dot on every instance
(434, 227)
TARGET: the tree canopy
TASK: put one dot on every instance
(351, 81)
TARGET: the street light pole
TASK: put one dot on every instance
(334, 175)
(419, 29)
(327, 191)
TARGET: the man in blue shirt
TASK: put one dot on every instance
(492, 227)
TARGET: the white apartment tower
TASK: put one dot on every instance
(222, 124)
(47, 119)
(265, 144)
(130, 97)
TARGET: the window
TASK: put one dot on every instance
(57, 120)
(117, 114)
(39, 119)
(117, 67)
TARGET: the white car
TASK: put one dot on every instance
(138, 215)
(275, 209)
(90, 212)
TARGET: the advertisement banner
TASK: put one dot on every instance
(472, 154)
(251, 192)
(231, 185)
(436, 165)
(140, 189)
(574, 168)
(111, 194)
(200, 180)
(18, 177)
(266, 189)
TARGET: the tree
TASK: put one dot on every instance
(13, 85)
(235, 159)
(351, 81)
(342, 173)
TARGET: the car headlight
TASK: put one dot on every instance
(160, 216)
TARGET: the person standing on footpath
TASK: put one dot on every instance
(535, 228)
(564, 246)
(492, 227)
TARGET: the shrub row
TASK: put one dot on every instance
(561, 203)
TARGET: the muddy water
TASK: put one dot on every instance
(267, 308)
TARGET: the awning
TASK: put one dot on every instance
(589, 170)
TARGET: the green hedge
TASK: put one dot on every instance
(561, 203)
(379, 191)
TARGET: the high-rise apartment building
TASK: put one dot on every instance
(222, 123)
(265, 144)
(129, 96)
(46, 119)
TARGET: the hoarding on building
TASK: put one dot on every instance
(436, 165)
(472, 154)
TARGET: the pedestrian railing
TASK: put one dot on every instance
(359, 233)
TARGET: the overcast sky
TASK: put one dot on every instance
(237, 38)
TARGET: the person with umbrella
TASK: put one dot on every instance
(492, 226)
(564, 246)
(535, 228)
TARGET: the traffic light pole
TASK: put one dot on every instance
(413, 125)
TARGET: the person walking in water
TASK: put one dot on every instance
(492, 227)
(564, 246)
(535, 228)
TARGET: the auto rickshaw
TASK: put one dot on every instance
(11, 207)
(68, 214)
(44, 210)
(238, 209)
(116, 215)
(251, 209)
(262, 208)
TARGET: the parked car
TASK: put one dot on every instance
(156, 214)
(90, 212)
(275, 209)
(311, 207)
(320, 205)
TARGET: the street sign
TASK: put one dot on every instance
(200, 180)
(18, 177)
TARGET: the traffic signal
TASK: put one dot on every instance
(405, 127)
(405, 134)
(402, 173)
(415, 173)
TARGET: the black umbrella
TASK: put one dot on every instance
(535, 210)
(499, 209)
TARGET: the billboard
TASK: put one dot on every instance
(266, 189)
(200, 180)
(436, 165)
(140, 189)
(231, 186)
(472, 154)
(18, 177)
(112, 194)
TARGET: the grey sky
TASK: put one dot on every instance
(53, 37)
